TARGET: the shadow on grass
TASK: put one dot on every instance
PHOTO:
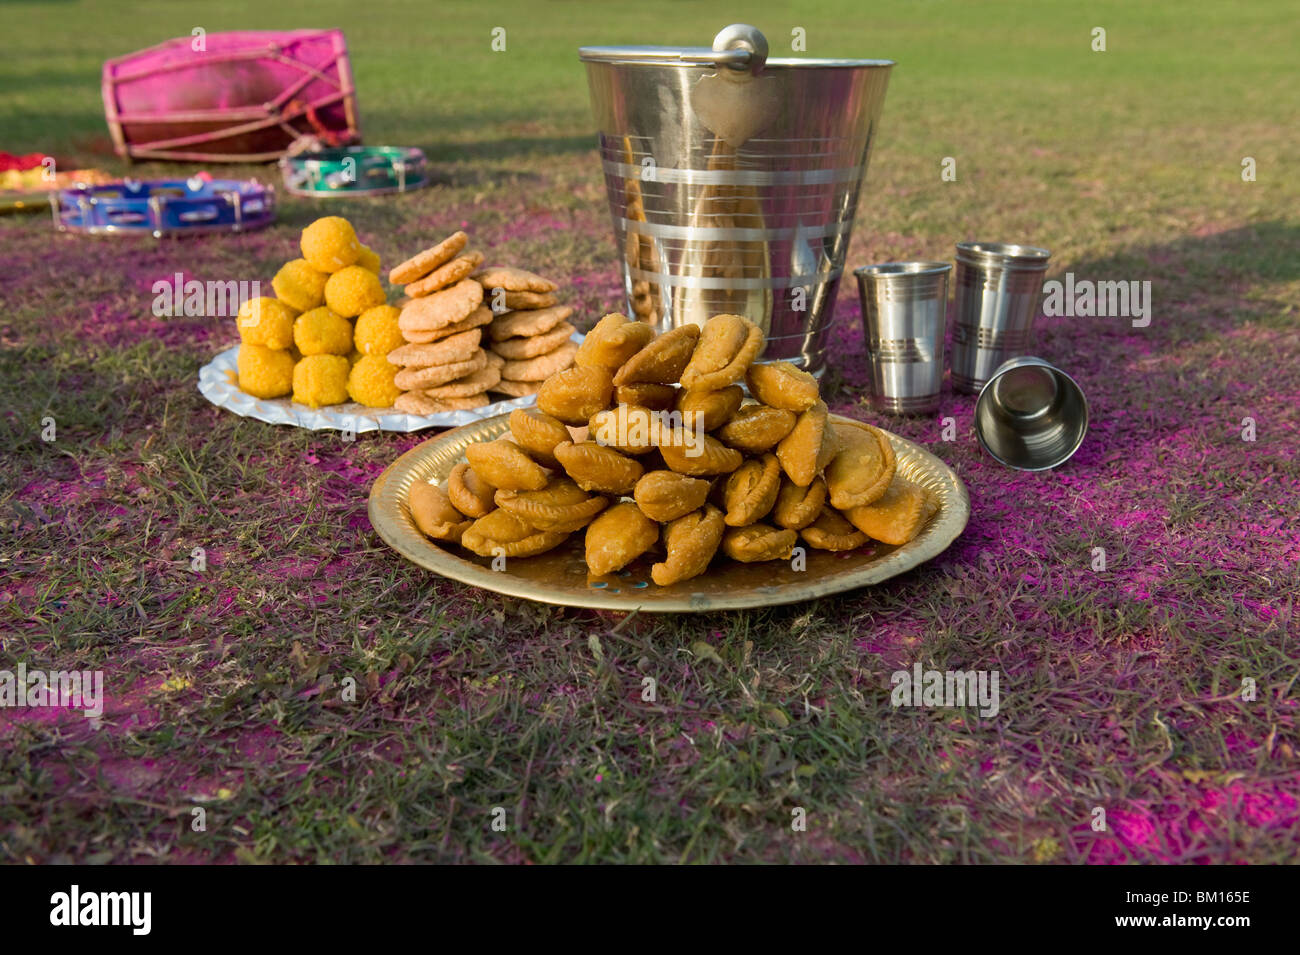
(1265, 250)
(1204, 290)
(1211, 280)
(1220, 344)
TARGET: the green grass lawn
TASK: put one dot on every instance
(1120, 689)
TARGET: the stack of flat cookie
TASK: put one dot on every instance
(443, 367)
(529, 331)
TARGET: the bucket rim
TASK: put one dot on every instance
(659, 56)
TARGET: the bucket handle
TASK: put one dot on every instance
(738, 47)
(737, 39)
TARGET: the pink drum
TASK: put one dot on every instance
(231, 97)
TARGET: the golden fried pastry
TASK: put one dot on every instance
(758, 542)
(527, 323)
(691, 542)
(666, 495)
(504, 534)
(538, 434)
(533, 346)
(575, 394)
(419, 403)
(418, 379)
(751, 489)
(476, 319)
(662, 361)
(782, 385)
(630, 428)
(513, 280)
(560, 506)
(808, 447)
(635, 451)
(654, 397)
(540, 368)
(449, 273)
(428, 260)
(698, 454)
(757, 428)
(898, 515)
(516, 389)
(664, 421)
(597, 468)
(708, 410)
(832, 532)
(727, 345)
(523, 300)
(618, 537)
(452, 349)
(863, 467)
(504, 464)
(797, 507)
(475, 383)
(612, 341)
(434, 514)
(469, 493)
(442, 308)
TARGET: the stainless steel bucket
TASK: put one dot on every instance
(733, 180)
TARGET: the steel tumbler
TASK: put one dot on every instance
(998, 288)
(903, 314)
(1030, 415)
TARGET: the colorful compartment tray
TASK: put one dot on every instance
(355, 171)
(165, 207)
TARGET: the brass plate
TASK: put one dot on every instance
(560, 576)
